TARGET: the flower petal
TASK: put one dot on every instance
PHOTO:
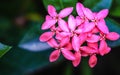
(52, 11)
(88, 50)
(48, 18)
(52, 42)
(102, 26)
(88, 27)
(93, 38)
(63, 25)
(46, 36)
(54, 55)
(113, 36)
(79, 31)
(65, 12)
(68, 54)
(78, 20)
(76, 43)
(92, 61)
(95, 30)
(79, 9)
(62, 35)
(108, 50)
(64, 41)
(77, 60)
(71, 23)
(84, 54)
(88, 13)
(102, 14)
(69, 46)
(93, 45)
(58, 29)
(103, 47)
(47, 24)
(82, 38)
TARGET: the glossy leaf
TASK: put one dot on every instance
(97, 5)
(21, 62)
(90, 3)
(4, 49)
(30, 40)
(103, 4)
(34, 45)
(60, 4)
(24, 59)
(115, 8)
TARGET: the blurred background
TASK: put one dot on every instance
(24, 54)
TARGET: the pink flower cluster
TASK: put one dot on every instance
(80, 36)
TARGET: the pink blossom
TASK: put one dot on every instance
(97, 18)
(84, 35)
(48, 35)
(110, 36)
(56, 53)
(104, 49)
(80, 10)
(54, 17)
(48, 23)
(70, 31)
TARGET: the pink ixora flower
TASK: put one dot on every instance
(48, 35)
(70, 30)
(53, 17)
(104, 49)
(80, 11)
(98, 18)
(56, 53)
(79, 36)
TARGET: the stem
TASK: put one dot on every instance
(86, 70)
(68, 70)
(61, 4)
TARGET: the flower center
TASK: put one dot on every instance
(59, 48)
(73, 34)
(102, 36)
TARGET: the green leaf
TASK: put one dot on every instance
(60, 4)
(115, 12)
(97, 5)
(21, 62)
(115, 9)
(113, 27)
(34, 45)
(103, 4)
(4, 49)
(30, 40)
(24, 59)
(90, 3)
